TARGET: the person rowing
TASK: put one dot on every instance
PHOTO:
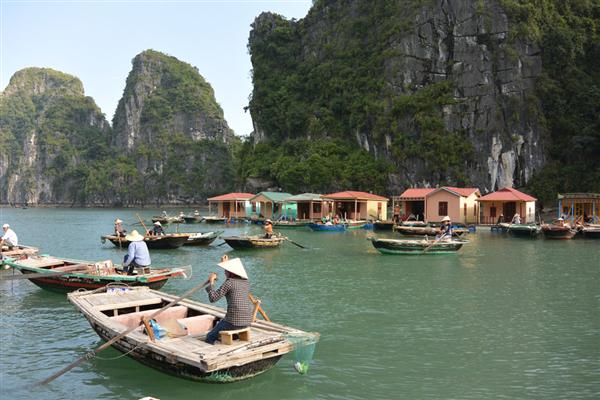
(268, 229)
(235, 289)
(445, 229)
(9, 238)
(137, 255)
(119, 230)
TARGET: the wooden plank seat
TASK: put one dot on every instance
(198, 324)
(134, 319)
(172, 319)
(226, 337)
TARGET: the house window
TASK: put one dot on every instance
(317, 208)
(465, 209)
(493, 212)
(253, 206)
(442, 208)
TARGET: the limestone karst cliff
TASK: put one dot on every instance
(49, 132)
(463, 92)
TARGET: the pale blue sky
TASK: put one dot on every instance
(96, 41)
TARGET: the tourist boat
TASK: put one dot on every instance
(66, 275)
(417, 246)
(290, 224)
(524, 230)
(590, 231)
(552, 231)
(327, 228)
(168, 220)
(192, 219)
(15, 252)
(167, 241)
(202, 238)
(215, 220)
(383, 225)
(253, 242)
(181, 350)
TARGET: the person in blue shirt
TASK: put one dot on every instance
(446, 228)
(137, 255)
(157, 230)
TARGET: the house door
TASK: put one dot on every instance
(226, 209)
(509, 209)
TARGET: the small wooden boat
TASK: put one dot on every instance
(414, 223)
(290, 224)
(355, 224)
(15, 252)
(383, 225)
(524, 230)
(168, 220)
(426, 230)
(424, 246)
(66, 275)
(559, 232)
(215, 220)
(590, 231)
(168, 241)
(327, 228)
(181, 350)
(202, 238)
(253, 242)
(192, 219)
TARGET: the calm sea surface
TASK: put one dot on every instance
(504, 318)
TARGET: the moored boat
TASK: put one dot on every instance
(215, 220)
(202, 238)
(65, 275)
(524, 230)
(383, 225)
(254, 242)
(327, 228)
(355, 224)
(192, 219)
(168, 220)
(290, 224)
(167, 241)
(426, 230)
(590, 231)
(182, 351)
(416, 246)
(558, 232)
(15, 252)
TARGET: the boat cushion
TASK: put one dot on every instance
(134, 319)
(198, 324)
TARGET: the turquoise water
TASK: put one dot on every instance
(503, 318)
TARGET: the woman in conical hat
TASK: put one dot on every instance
(235, 289)
(137, 253)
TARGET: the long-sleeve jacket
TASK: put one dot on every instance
(238, 307)
(138, 252)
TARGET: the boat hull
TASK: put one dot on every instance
(153, 242)
(192, 220)
(391, 246)
(182, 370)
(290, 225)
(527, 231)
(590, 233)
(383, 226)
(327, 228)
(203, 240)
(244, 243)
(558, 233)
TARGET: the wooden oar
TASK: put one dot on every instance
(91, 354)
(434, 242)
(294, 243)
(142, 222)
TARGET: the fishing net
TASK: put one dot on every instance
(304, 348)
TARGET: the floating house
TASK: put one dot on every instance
(232, 205)
(358, 205)
(579, 206)
(309, 206)
(507, 201)
(433, 204)
(272, 205)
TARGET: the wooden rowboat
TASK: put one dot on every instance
(425, 230)
(524, 230)
(425, 246)
(215, 220)
(383, 225)
(168, 220)
(558, 232)
(253, 242)
(168, 241)
(202, 238)
(290, 224)
(192, 219)
(15, 252)
(181, 351)
(355, 224)
(64, 275)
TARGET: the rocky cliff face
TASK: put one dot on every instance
(47, 126)
(440, 77)
(169, 122)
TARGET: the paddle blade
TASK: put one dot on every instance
(187, 272)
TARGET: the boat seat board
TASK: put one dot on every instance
(134, 319)
(226, 337)
(41, 262)
(135, 303)
(116, 298)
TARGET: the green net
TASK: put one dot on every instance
(304, 348)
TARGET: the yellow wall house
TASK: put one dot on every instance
(309, 206)
(501, 206)
(583, 207)
(358, 205)
(460, 204)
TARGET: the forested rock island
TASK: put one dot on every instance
(372, 96)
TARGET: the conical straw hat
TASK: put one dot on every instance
(235, 266)
(134, 236)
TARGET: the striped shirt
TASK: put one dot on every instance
(238, 307)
